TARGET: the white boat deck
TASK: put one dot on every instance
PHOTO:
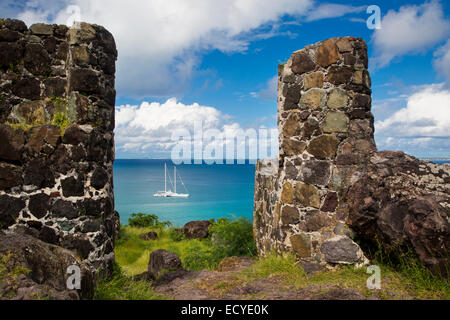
(168, 193)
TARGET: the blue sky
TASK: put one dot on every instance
(216, 61)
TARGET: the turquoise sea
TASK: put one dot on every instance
(215, 190)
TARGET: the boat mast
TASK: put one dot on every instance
(165, 183)
(175, 177)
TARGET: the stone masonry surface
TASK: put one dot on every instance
(326, 138)
(56, 137)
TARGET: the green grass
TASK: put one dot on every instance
(132, 253)
(232, 237)
(60, 118)
(403, 264)
(405, 279)
(23, 126)
(9, 273)
(275, 265)
(414, 281)
(143, 220)
(120, 287)
(421, 281)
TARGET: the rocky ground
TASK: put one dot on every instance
(31, 269)
(227, 283)
(170, 274)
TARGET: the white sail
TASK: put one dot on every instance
(168, 193)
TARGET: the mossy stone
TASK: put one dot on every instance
(338, 98)
(287, 195)
(291, 126)
(313, 80)
(335, 122)
(307, 195)
(301, 244)
(323, 147)
(312, 99)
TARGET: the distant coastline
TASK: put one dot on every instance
(163, 158)
(435, 159)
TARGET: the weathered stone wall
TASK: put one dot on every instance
(326, 138)
(56, 136)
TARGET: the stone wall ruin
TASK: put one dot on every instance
(56, 137)
(330, 183)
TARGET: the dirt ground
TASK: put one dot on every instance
(223, 284)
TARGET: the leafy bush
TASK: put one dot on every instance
(175, 235)
(233, 237)
(198, 257)
(142, 220)
(229, 237)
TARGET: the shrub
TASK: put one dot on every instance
(233, 237)
(175, 235)
(199, 257)
(142, 220)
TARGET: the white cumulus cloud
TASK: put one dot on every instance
(160, 41)
(269, 92)
(147, 129)
(332, 10)
(442, 62)
(426, 115)
(411, 29)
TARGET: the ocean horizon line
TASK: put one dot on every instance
(168, 159)
(248, 159)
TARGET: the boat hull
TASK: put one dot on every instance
(169, 194)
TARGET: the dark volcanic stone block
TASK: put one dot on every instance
(10, 176)
(10, 54)
(9, 210)
(39, 205)
(316, 172)
(12, 143)
(48, 235)
(64, 209)
(28, 88)
(99, 178)
(38, 173)
(302, 63)
(55, 87)
(83, 80)
(36, 59)
(72, 187)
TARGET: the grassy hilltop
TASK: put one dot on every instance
(405, 279)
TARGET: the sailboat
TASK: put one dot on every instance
(169, 193)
